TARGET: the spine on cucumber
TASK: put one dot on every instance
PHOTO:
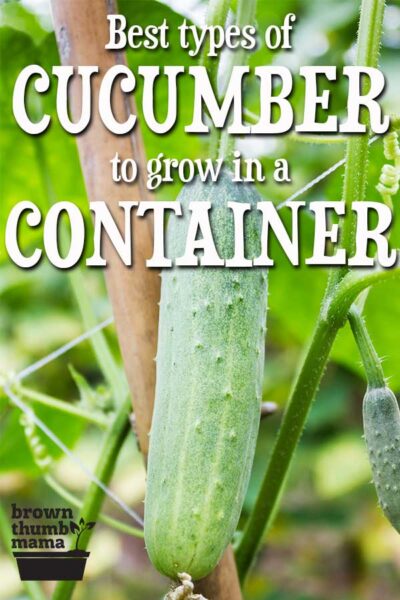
(382, 436)
(209, 375)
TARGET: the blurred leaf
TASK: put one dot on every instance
(16, 148)
(332, 403)
(13, 278)
(41, 333)
(14, 15)
(341, 465)
(15, 453)
(296, 295)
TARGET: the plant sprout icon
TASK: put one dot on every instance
(79, 529)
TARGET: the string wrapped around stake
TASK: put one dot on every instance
(185, 591)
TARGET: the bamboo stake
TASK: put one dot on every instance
(81, 28)
(223, 583)
(82, 32)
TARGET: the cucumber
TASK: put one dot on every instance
(210, 365)
(382, 435)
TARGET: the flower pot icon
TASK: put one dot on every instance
(55, 566)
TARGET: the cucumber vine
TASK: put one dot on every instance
(342, 290)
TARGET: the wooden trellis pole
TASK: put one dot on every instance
(82, 32)
(81, 28)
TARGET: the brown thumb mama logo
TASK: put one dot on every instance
(38, 536)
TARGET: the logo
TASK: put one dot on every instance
(38, 544)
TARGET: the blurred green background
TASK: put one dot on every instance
(330, 540)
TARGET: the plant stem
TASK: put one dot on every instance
(356, 171)
(370, 358)
(245, 15)
(338, 298)
(32, 588)
(354, 283)
(217, 14)
(289, 434)
(94, 497)
(62, 406)
(110, 521)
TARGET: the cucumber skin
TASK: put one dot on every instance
(210, 366)
(382, 435)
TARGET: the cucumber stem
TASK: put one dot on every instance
(217, 14)
(357, 152)
(245, 15)
(291, 428)
(370, 358)
(63, 406)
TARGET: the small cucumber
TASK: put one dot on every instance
(382, 435)
(210, 366)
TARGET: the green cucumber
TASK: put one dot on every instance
(210, 365)
(382, 436)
